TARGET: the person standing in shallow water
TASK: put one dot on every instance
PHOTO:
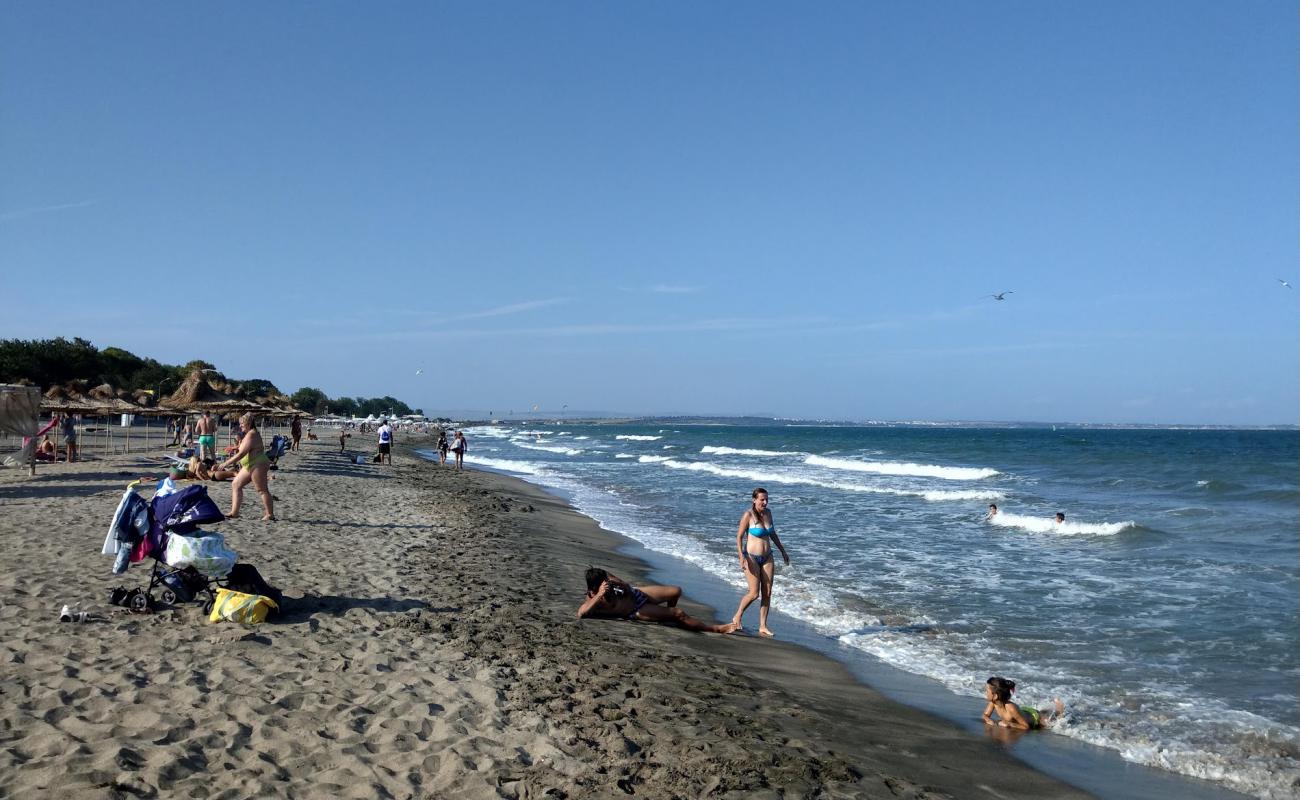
(459, 446)
(754, 539)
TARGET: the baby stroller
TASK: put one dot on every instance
(187, 562)
(279, 446)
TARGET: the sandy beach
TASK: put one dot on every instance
(428, 648)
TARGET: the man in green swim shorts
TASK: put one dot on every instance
(207, 431)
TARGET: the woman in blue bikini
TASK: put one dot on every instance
(754, 539)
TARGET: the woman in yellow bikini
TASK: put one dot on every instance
(254, 466)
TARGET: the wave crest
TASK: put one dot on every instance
(903, 468)
(1067, 528)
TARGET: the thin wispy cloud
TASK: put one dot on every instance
(664, 288)
(596, 329)
(6, 216)
(426, 317)
(515, 308)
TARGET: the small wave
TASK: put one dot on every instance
(624, 455)
(507, 465)
(1067, 528)
(1215, 486)
(564, 451)
(780, 477)
(902, 468)
(740, 451)
(633, 438)
(580, 438)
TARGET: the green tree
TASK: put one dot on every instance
(310, 399)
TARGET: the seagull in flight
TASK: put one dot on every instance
(419, 372)
(999, 295)
(1284, 283)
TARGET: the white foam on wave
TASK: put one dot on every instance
(781, 477)
(1067, 528)
(624, 455)
(507, 465)
(491, 431)
(741, 451)
(653, 459)
(634, 438)
(904, 469)
(580, 438)
(564, 451)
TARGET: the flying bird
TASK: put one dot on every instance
(419, 372)
(999, 295)
(1284, 283)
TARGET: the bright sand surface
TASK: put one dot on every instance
(428, 648)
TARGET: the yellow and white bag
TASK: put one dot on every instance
(239, 607)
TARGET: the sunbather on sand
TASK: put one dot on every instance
(610, 597)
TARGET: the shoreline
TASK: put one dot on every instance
(1081, 765)
(428, 647)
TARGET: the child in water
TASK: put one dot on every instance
(1025, 718)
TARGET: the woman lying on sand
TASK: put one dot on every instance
(196, 470)
(1025, 718)
(612, 598)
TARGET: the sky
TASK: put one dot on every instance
(790, 209)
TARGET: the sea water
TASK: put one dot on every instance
(1162, 611)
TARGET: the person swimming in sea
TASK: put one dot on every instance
(1024, 718)
(993, 511)
(1060, 518)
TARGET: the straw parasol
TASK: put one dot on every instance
(196, 394)
(67, 400)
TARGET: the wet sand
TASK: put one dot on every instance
(428, 648)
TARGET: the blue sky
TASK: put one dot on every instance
(795, 209)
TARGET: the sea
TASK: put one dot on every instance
(1163, 611)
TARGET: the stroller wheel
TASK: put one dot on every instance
(169, 597)
(139, 601)
(207, 608)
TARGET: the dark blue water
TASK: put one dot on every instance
(1162, 611)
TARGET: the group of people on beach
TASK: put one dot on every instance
(611, 597)
(47, 450)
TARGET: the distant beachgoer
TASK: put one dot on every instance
(254, 467)
(443, 446)
(613, 598)
(343, 439)
(752, 535)
(1060, 518)
(206, 428)
(69, 431)
(47, 450)
(385, 442)
(459, 446)
(295, 432)
(993, 511)
(1025, 718)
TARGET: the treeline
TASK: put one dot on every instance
(60, 362)
(317, 402)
